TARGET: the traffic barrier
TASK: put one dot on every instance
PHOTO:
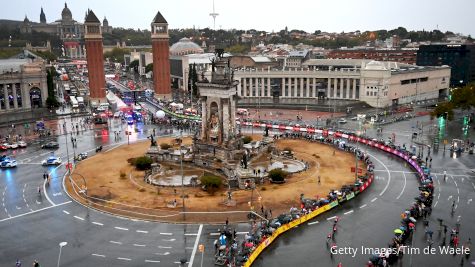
(265, 243)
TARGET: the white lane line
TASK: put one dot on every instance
(67, 212)
(142, 231)
(389, 174)
(124, 259)
(197, 241)
(473, 185)
(35, 211)
(435, 205)
(98, 223)
(348, 212)
(438, 196)
(121, 228)
(166, 233)
(169, 240)
(79, 218)
(242, 233)
(331, 218)
(188, 234)
(152, 261)
(139, 245)
(458, 199)
(374, 199)
(468, 201)
(362, 206)
(98, 255)
(404, 187)
(458, 191)
(44, 186)
(312, 223)
(214, 234)
(116, 242)
(164, 247)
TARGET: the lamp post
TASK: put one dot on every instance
(61, 245)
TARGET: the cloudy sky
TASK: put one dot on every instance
(308, 15)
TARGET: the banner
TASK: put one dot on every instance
(350, 196)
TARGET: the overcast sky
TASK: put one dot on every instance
(308, 15)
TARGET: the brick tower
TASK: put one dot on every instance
(161, 62)
(95, 57)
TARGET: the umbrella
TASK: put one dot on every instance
(403, 228)
(411, 225)
(412, 219)
(398, 231)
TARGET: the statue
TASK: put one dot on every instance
(213, 65)
(213, 126)
(266, 132)
(219, 52)
(152, 141)
(244, 160)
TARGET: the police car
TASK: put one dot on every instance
(7, 162)
(52, 160)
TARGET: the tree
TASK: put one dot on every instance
(116, 54)
(246, 139)
(211, 183)
(51, 101)
(134, 65)
(143, 163)
(278, 175)
(463, 98)
(149, 68)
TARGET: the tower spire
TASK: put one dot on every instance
(214, 15)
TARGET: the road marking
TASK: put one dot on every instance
(450, 197)
(121, 228)
(389, 174)
(242, 233)
(331, 218)
(38, 202)
(142, 231)
(124, 259)
(98, 255)
(116, 242)
(458, 199)
(139, 245)
(348, 212)
(18, 208)
(438, 196)
(152, 261)
(57, 194)
(97, 223)
(468, 201)
(166, 233)
(79, 218)
(362, 206)
(67, 212)
(44, 185)
(197, 241)
(169, 240)
(473, 185)
(436, 203)
(191, 234)
(35, 211)
(458, 191)
(312, 223)
(177, 262)
(214, 234)
(404, 187)
(162, 254)
(165, 247)
(374, 199)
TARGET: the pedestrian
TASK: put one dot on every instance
(227, 222)
(319, 179)
(18, 263)
(270, 213)
(36, 263)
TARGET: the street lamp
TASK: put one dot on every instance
(61, 245)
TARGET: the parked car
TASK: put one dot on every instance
(3, 147)
(50, 145)
(22, 144)
(342, 121)
(14, 145)
(8, 162)
(52, 160)
(81, 156)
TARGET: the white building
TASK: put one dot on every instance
(380, 84)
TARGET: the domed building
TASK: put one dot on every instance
(185, 47)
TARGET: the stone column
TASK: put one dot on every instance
(329, 83)
(239, 88)
(348, 88)
(204, 115)
(221, 122)
(354, 88)
(314, 85)
(283, 88)
(225, 120)
(233, 116)
(15, 99)
(301, 87)
(308, 88)
(341, 87)
(296, 84)
(5, 96)
(250, 86)
(244, 85)
(25, 97)
(268, 88)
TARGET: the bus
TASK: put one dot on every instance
(100, 118)
(74, 102)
